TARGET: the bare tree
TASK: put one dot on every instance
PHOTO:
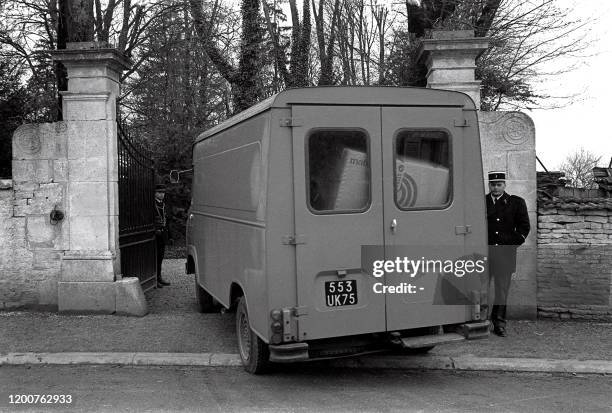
(297, 74)
(36, 26)
(243, 76)
(578, 168)
(357, 37)
(79, 19)
(326, 38)
(526, 36)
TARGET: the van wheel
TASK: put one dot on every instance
(253, 351)
(206, 302)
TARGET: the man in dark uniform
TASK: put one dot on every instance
(508, 227)
(161, 230)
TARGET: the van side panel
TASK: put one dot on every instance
(228, 208)
(280, 257)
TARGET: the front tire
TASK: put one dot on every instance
(253, 351)
(206, 302)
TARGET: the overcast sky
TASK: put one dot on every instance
(585, 123)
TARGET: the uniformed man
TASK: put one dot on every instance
(161, 230)
(508, 227)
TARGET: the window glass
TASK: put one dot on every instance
(338, 170)
(422, 169)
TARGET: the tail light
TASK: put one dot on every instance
(276, 326)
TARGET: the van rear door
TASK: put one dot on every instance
(423, 164)
(338, 208)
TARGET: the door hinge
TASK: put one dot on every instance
(462, 123)
(291, 122)
(463, 229)
(294, 239)
(300, 311)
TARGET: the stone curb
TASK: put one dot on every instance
(471, 363)
(461, 363)
(127, 359)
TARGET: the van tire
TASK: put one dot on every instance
(253, 351)
(206, 302)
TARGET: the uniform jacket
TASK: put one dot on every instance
(161, 220)
(507, 220)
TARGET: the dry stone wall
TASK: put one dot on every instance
(575, 260)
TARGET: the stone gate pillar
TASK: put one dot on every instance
(451, 61)
(91, 264)
(507, 143)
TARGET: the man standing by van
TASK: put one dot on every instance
(508, 227)
(161, 230)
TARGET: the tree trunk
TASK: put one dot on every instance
(61, 75)
(246, 85)
(80, 20)
(299, 73)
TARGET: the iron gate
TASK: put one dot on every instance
(136, 211)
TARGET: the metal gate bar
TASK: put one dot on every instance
(136, 176)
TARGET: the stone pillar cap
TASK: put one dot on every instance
(87, 53)
(461, 40)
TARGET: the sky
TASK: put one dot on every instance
(584, 123)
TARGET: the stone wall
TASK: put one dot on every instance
(32, 246)
(70, 263)
(574, 272)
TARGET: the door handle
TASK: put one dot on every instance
(393, 225)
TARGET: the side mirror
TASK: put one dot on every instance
(175, 175)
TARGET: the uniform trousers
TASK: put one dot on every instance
(160, 245)
(502, 264)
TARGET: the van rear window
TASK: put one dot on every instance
(338, 170)
(422, 169)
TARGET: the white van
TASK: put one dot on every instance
(286, 194)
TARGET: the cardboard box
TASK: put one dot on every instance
(353, 181)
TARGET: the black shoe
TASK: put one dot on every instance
(500, 331)
(161, 282)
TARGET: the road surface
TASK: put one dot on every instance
(300, 388)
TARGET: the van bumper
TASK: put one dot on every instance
(292, 352)
(460, 332)
(288, 353)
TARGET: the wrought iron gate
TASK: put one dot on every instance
(136, 211)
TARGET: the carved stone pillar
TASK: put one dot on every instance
(91, 264)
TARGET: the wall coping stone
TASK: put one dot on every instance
(576, 204)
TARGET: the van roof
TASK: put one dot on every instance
(349, 96)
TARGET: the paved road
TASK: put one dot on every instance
(303, 389)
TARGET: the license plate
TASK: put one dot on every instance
(340, 293)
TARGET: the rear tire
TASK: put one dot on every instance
(253, 351)
(206, 302)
